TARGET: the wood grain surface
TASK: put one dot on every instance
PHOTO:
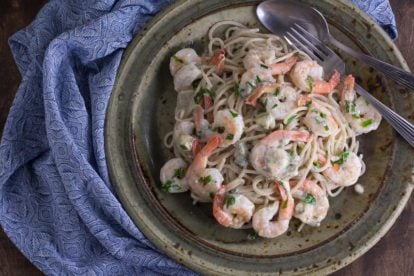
(393, 255)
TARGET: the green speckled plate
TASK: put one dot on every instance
(141, 111)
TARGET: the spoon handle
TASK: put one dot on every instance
(391, 71)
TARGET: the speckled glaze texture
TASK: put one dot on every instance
(141, 112)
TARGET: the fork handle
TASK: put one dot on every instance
(401, 125)
(391, 71)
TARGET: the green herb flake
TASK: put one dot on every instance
(367, 123)
(274, 106)
(291, 152)
(356, 116)
(323, 115)
(284, 204)
(230, 200)
(317, 164)
(277, 91)
(314, 110)
(309, 199)
(258, 79)
(290, 119)
(195, 84)
(177, 59)
(206, 180)
(308, 104)
(179, 173)
(165, 187)
(183, 147)
(201, 93)
(342, 159)
(234, 114)
(326, 128)
(230, 137)
(236, 89)
(252, 236)
(310, 83)
(251, 85)
(264, 66)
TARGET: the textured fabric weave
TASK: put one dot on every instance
(57, 203)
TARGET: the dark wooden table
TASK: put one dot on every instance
(393, 255)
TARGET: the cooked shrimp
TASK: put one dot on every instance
(259, 91)
(182, 135)
(361, 115)
(196, 173)
(346, 170)
(312, 203)
(230, 125)
(253, 78)
(281, 103)
(256, 58)
(208, 184)
(282, 68)
(308, 76)
(320, 121)
(202, 126)
(262, 219)
(183, 57)
(218, 60)
(232, 210)
(269, 158)
(172, 174)
(184, 77)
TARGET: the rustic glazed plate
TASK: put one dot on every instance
(141, 111)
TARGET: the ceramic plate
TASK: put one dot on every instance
(141, 111)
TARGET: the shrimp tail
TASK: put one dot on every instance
(323, 87)
(218, 202)
(218, 60)
(212, 144)
(347, 92)
(259, 91)
(303, 100)
(208, 102)
(283, 67)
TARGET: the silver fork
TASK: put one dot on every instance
(298, 37)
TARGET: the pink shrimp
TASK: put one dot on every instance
(271, 160)
(262, 219)
(282, 68)
(218, 60)
(348, 92)
(208, 102)
(326, 87)
(232, 211)
(197, 173)
(259, 91)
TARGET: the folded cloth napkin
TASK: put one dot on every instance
(57, 203)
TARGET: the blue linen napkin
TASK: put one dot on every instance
(57, 203)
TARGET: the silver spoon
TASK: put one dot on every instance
(279, 15)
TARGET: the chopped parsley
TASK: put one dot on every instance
(206, 180)
(258, 79)
(291, 152)
(308, 104)
(195, 84)
(277, 91)
(326, 128)
(252, 236)
(274, 106)
(165, 187)
(201, 93)
(183, 147)
(290, 119)
(342, 159)
(251, 85)
(264, 66)
(310, 83)
(234, 114)
(177, 59)
(351, 108)
(323, 115)
(179, 173)
(230, 137)
(317, 164)
(230, 200)
(285, 204)
(309, 199)
(236, 89)
(367, 123)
